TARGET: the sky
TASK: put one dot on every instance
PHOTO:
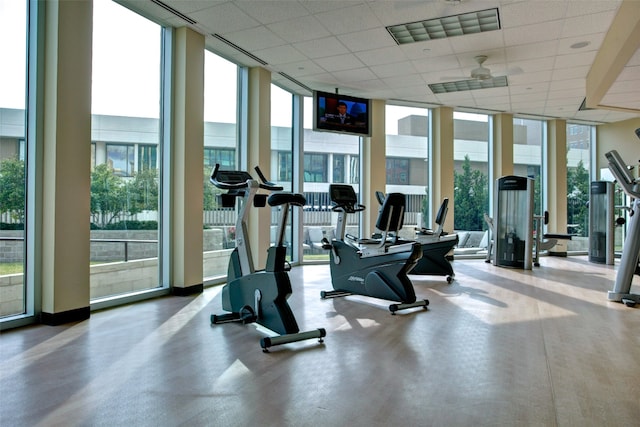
(12, 51)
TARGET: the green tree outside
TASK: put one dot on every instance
(12, 188)
(108, 196)
(578, 189)
(471, 198)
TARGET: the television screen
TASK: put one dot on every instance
(341, 113)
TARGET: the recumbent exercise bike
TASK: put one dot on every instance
(376, 267)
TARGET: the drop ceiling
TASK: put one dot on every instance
(546, 49)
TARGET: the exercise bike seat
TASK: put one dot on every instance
(283, 198)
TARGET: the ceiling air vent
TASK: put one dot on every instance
(173, 11)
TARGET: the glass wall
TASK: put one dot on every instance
(407, 162)
(13, 51)
(528, 142)
(578, 184)
(471, 170)
(220, 147)
(328, 158)
(125, 163)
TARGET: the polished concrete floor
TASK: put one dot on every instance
(497, 347)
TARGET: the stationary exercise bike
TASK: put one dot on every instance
(375, 267)
(259, 296)
(437, 244)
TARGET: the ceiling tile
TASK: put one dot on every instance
(528, 34)
(299, 29)
(256, 38)
(280, 55)
(381, 56)
(223, 18)
(587, 24)
(354, 75)
(366, 40)
(320, 48)
(518, 14)
(340, 62)
(351, 19)
(268, 12)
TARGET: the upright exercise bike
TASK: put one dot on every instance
(376, 267)
(251, 295)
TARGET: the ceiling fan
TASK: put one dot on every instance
(483, 73)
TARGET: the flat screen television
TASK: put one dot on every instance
(333, 112)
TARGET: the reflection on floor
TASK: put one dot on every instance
(496, 347)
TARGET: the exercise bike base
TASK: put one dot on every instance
(267, 342)
(628, 299)
(334, 294)
(397, 307)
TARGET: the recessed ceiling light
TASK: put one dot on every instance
(580, 45)
(448, 26)
(472, 84)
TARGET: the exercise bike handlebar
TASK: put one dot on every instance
(348, 208)
(236, 180)
(266, 184)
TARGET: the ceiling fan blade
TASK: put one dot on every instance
(511, 71)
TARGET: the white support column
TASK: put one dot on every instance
(188, 158)
(442, 163)
(259, 154)
(66, 161)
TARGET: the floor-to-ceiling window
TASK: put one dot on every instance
(471, 170)
(578, 184)
(528, 144)
(328, 158)
(13, 51)
(125, 163)
(407, 163)
(220, 147)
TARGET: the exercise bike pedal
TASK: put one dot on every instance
(245, 315)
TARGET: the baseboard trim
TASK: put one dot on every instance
(189, 290)
(75, 315)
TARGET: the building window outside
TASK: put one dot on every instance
(226, 158)
(315, 167)
(285, 171)
(121, 158)
(147, 157)
(397, 171)
(354, 170)
(338, 168)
